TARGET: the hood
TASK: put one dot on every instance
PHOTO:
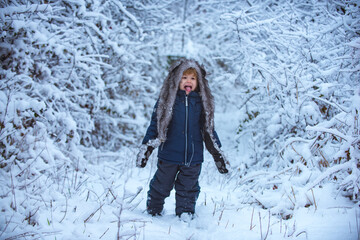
(168, 94)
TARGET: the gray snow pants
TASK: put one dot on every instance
(185, 179)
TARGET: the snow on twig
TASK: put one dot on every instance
(328, 102)
(331, 131)
(129, 15)
(24, 9)
(327, 173)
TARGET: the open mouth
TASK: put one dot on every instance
(188, 88)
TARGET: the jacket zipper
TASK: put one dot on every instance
(186, 129)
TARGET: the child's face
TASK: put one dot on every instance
(188, 83)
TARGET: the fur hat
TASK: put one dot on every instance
(168, 94)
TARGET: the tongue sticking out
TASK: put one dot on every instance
(188, 88)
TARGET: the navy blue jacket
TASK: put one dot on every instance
(184, 140)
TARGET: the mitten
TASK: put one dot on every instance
(143, 155)
(220, 163)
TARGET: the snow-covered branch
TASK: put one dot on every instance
(331, 131)
(20, 9)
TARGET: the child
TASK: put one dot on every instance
(183, 118)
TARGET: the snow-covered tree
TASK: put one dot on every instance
(75, 78)
(298, 63)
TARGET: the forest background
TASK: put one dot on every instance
(79, 80)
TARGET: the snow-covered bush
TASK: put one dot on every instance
(300, 66)
(71, 81)
(292, 59)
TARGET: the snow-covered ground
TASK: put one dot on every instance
(108, 199)
(111, 203)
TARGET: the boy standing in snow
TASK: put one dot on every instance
(183, 118)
